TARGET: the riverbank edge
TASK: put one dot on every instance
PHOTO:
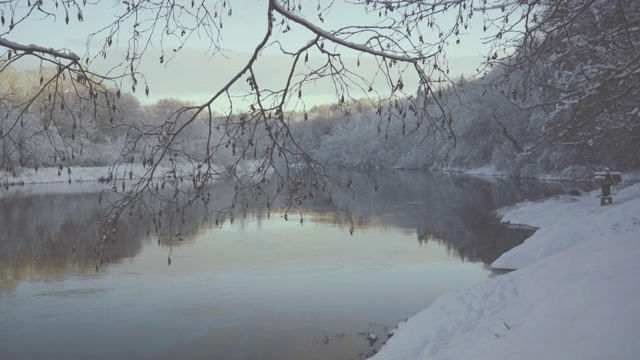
(578, 240)
(50, 175)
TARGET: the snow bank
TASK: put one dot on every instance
(80, 179)
(75, 174)
(81, 174)
(488, 170)
(52, 175)
(567, 221)
(85, 179)
(578, 298)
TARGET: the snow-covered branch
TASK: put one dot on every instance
(29, 49)
(331, 37)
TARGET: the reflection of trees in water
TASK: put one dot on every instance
(37, 232)
(44, 233)
(472, 236)
(456, 211)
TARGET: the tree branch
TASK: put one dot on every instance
(39, 49)
(331, 37)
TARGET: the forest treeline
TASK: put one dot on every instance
(488, 130)
(93, 131)
(562, 101)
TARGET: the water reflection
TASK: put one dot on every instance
(456, 211)
(38, 231)
(257, 288)
(40, 224)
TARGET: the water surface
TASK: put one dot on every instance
(255, 289)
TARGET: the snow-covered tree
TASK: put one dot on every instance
(580, 61)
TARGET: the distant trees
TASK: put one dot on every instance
(75, 132)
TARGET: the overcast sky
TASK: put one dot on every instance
(194, 74)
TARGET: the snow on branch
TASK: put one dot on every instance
(331, 37)
(38, 49)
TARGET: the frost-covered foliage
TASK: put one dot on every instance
(488, 131)
(81, 134)
(580, 62)
(566, 101)
(355, 136)
(493, 132)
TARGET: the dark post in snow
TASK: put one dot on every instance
(607, 179)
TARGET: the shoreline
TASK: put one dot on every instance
(572, 296)
(48, 175)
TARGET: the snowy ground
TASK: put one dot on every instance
(82, 174)
(575, 296)
(75, 174)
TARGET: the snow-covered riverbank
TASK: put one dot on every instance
(53, 175)
(73, 174)
(575, 296)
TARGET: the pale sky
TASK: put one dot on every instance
(194, 75)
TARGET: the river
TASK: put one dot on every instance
(256, 288)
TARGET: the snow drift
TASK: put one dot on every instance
(574, 297)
